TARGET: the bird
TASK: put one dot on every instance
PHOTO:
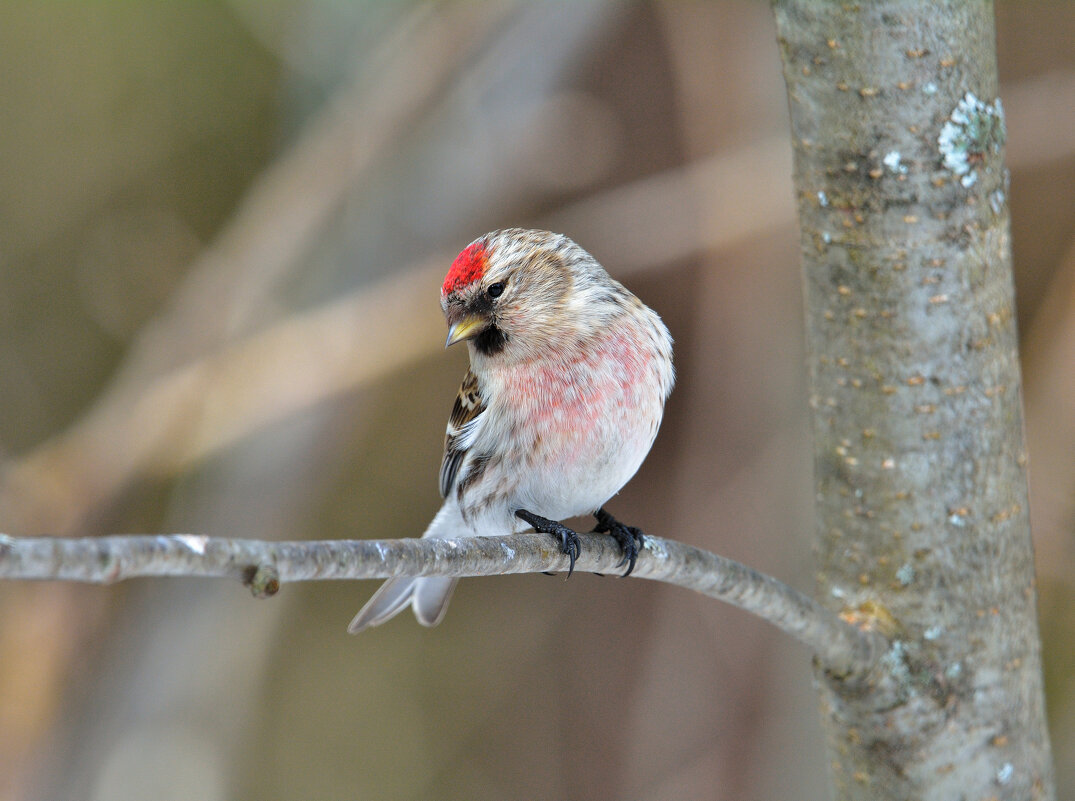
(569, 374)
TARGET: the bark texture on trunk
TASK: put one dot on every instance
(920, 463)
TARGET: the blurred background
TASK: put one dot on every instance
(223, 227)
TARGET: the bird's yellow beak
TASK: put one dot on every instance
(465, 329)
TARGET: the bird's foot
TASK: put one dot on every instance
(569, 540)
(629, 538)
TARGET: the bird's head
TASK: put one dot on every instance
(517, 291)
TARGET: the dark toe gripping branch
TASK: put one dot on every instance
(569, 540)
(630, 539)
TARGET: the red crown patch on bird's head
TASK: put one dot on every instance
(469, 266)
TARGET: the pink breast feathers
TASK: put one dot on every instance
(469, 266)
(581, 392)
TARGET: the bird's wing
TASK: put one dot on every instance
(462, 430)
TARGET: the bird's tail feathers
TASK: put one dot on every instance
(385, 604)
(428, 596)
(431, 596)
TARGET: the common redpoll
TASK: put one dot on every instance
(568, 377)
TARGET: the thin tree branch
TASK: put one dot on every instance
(840, 647)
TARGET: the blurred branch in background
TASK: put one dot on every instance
(1049, 366)
(156, 399)
(160, 422)
(157, 420)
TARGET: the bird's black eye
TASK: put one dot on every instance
(496, 290)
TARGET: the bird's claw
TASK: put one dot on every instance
(569, 544)
(629, 538)
(569, 540)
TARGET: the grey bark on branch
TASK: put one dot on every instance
(840, 647)
(920, 463)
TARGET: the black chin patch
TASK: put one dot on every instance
(490, 341)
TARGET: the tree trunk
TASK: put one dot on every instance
(922, 518)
